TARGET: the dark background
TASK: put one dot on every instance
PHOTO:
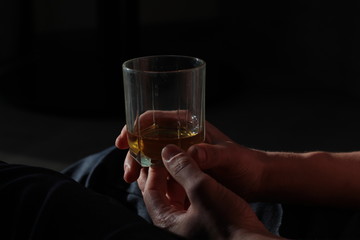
(281, 75)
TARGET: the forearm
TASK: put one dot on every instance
(313, 178)
(248, 235)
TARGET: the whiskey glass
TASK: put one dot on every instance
(164, 104)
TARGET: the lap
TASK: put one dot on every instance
(39, 203)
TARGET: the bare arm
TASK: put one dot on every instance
(321, 178)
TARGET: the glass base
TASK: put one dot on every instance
(145, 161)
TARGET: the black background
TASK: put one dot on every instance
(281, 75)
(62, 53)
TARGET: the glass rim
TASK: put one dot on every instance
(202, 63)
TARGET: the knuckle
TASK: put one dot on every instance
(178, 164)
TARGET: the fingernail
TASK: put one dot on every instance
(170, 151)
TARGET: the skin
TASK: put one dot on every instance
(196, 206)
(216, 156)
(316, 178)
(183, 199)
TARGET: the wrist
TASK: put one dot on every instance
(258, 170)
(292, 177)
(246, 234)
(277, 174)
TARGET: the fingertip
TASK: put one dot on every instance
(121, 140)
(131, 169)
(118, 142)
(130, 177)
(170, 151)
(126, 177)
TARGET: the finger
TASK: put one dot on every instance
(181, 166)
(209, 156)
(156, 201)
(176, 194)
(214, 135)
(163, 117)
(131, 169)
(121, 141)
(141, 181)
(157, 179)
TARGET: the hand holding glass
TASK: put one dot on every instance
(164, 104)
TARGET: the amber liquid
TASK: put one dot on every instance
(150, 141)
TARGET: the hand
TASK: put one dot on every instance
(131, 167)
(211, 212)
(238, 168)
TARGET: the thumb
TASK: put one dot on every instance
(181, 166)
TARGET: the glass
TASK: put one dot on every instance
(164, 104)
